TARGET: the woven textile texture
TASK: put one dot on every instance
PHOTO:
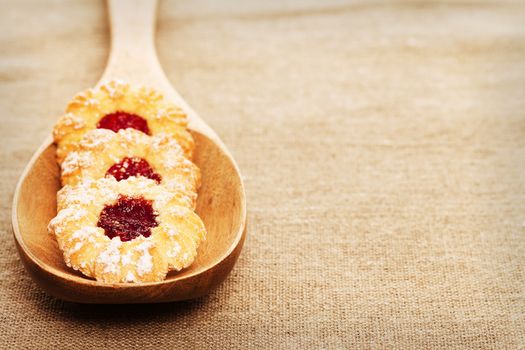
(383, 149)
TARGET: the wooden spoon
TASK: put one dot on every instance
(221, 202)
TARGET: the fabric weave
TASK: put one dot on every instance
(383, 149)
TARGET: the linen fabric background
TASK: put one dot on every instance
(382, 144)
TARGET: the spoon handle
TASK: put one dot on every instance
(133, 57)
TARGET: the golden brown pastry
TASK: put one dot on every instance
(115, 106)
(129, 152)
(125, 231)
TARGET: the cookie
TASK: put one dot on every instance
(129, 152)
(125, 231)
(115, 106)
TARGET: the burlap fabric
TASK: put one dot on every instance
(382, 145)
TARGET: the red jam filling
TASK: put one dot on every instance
(123, 120)
(128, 218)
(133, 167)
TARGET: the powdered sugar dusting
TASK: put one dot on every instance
(85, 233)
(178, 211)
(165, 141)
(88, 192)
(75, 195)
(58, 224)
(91, 102)
(109, 258)
(76, 160)
(126, 259)
(173, 113)
(163, 198)
(173, 159)
(130, 277)
(132, 136)
(175, 250)
(115, 89)
(74, 121)
(176, 186)
(76, 248)
(145, 262)
(96, 138)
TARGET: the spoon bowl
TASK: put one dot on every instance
(220, 204)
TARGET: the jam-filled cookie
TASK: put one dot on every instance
(129, 152)
(125, 231)
(115, 106)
